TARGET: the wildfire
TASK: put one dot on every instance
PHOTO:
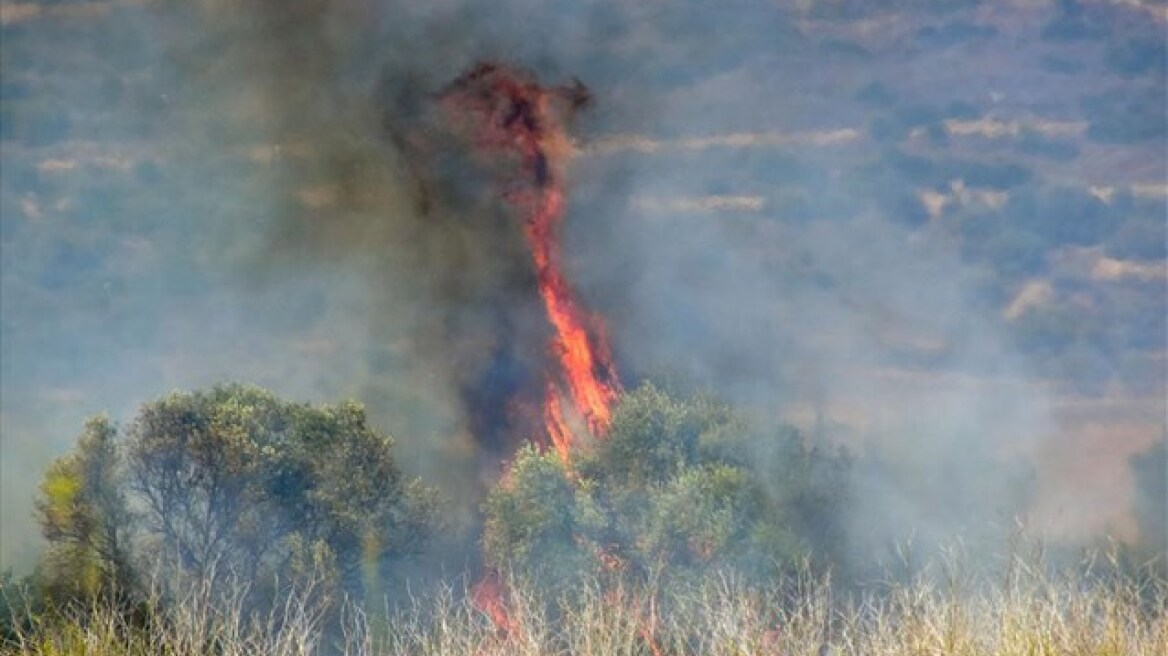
(517, 117)
(487, 595)
(557, 427)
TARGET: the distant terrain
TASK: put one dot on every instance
(904, 206)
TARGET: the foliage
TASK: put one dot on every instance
(1138, 56)
(232, 481)
(1072, 23)
(21, 600)
(1038, 611)
(954, 33)
(534, 516)
(683, 482)
(84, 516)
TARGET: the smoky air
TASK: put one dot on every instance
(540, 311)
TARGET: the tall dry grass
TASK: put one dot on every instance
(1031, 612)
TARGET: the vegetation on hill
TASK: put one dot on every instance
(167, 163)
(679, 485)
(232, 521)
(229, 483)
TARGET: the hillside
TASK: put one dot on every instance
(921, 224)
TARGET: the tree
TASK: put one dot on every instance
(682, 482)
(536, 519)
(83, 514)
(335, 482)
(233, 481)
(236, 480)
(197, 462)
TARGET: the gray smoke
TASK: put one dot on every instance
(313, 228)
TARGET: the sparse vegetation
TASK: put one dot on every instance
(1032, 612)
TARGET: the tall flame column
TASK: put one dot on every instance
(515, 116)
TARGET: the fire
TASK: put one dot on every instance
(557, 427)
(487, 595)
(517, 117)
(583, 357)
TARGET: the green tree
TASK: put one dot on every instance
(333, 481)
(238, 481)
(197, 462)
(537, 518)
(683, 482)
(233, 481)
(83, 514)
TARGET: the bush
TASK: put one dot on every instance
(678, 482)
(227, 482)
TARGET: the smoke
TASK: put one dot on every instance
(873, 327)
(319, 229)
(864, 332)
(370, 198)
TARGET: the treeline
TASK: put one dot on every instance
(232, 489)
(229, 484)
(230, 521)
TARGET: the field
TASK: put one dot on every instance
(1025, 613)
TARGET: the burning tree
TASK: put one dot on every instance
(678, 485)
(636, 483)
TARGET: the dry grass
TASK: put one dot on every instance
(1030, 614)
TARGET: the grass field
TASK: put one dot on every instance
(1025, 613)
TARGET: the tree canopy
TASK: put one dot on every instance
(679, 481)
(83, 514)
(233, 481)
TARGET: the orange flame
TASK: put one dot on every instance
(487, 596)
(557, 427)
(584, 359)
(520, 117)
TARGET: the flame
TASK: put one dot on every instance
(583, 356)
(487, 596)
(556, 425)
(519, 117)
